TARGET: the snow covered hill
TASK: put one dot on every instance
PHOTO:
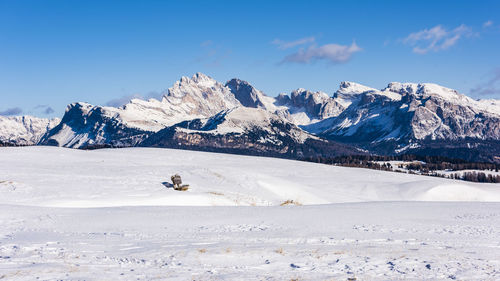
(24, 130)
(134, 176)
(110, 214)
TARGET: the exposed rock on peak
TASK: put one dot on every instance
(246, 94)
(307, 107)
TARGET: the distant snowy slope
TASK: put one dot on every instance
(245, 130)
(24, 130)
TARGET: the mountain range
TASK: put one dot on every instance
(201, 113)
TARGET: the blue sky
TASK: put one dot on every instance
(53, 53)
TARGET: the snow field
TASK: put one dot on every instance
(368, 241)
(108, 215)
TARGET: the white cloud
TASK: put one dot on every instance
(488, 23)
(333, 53)
(287, 45)
(437, 38)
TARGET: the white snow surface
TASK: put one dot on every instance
(105, 215)
(134, 176)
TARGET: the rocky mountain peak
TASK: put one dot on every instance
(245, 93)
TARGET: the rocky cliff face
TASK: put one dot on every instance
(86, 126)
(307, 107)
(249, 96)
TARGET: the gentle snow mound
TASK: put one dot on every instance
(459, 192)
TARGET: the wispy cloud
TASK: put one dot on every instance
(48, 110)
(488, 23)
(283, 45)
(437, 38)
(11, 111)
(43, 108)
(489, 88)
(333, 53)
(121, 101)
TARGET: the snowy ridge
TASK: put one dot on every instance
(244, 130)
(25, 130)
(241, 119)
(350, 91)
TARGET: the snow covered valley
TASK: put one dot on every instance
(108, 214)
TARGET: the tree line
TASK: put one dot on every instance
(429, 165)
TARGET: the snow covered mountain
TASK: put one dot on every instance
(301, 107)
(24, 130)
(410, 116)
(198, 97)
(85, 125)
(401, 118)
